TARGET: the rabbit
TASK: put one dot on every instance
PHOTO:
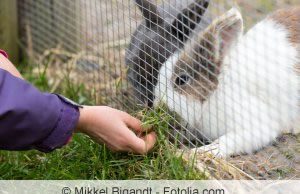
(240, 91)
(165, 28)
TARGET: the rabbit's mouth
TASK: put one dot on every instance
(185, 134)
(180, 130)
(195, 136)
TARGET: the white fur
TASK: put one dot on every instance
(257, 97)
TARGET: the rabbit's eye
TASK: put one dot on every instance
(182, 79)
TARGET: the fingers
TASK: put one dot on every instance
(144, 144)
(140, 145)
(133, 123)
(150, 141)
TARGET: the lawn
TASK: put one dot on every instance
(84, 159)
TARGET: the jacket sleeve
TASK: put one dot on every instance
(30, 119)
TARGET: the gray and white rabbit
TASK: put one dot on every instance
(165, 28)
(239, 91)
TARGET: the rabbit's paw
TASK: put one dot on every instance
(212, 149)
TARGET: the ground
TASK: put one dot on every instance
(281, 160)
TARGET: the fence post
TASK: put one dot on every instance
(9, 29)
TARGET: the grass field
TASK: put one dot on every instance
(84, 159)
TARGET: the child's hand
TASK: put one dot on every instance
(111, 127)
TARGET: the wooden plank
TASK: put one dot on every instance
(66, 15)
(9, 29)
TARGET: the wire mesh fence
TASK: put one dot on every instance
(231, 85)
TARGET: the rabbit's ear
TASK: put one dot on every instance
(188, 18)
(224, 31)
(150, 12)
(210, 46)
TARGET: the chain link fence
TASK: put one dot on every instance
(224, 89)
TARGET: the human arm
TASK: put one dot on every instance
(30, 119)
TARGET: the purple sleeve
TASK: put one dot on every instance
(30, 119)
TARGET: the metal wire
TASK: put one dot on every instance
(121, 55)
